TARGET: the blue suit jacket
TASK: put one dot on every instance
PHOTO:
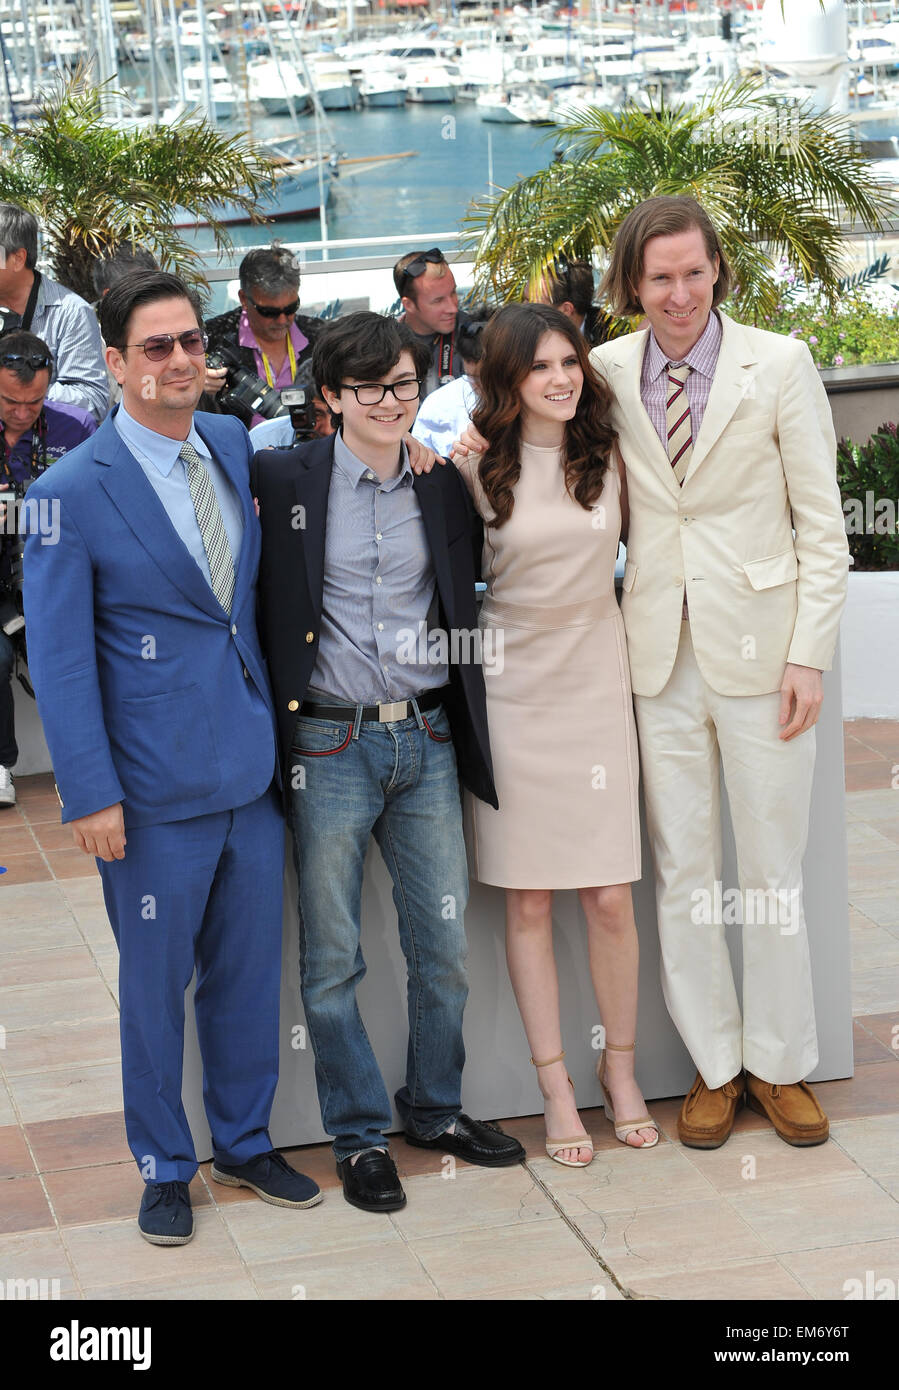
(150, 694)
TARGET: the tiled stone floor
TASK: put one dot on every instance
(677, 1224)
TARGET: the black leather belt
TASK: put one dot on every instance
(382, 714)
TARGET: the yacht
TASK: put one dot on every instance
(331, 78)
(275, 83)
(222, 91)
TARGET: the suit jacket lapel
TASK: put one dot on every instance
(434, 518)
(312, 484)
(733, 381)
(123, 480)
(624, 379)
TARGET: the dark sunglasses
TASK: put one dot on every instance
(162, 345)
(35, 360)
(418, 267)
(274, 311)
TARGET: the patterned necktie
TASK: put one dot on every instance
(678, 423)
(212, 528)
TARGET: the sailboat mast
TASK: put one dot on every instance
(204, 59)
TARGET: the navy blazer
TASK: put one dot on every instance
(291, 585)
(150, 694)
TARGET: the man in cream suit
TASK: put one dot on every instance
(735, 581)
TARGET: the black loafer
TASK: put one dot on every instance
(476, 1141)
(165, 1217)
(372, 1182)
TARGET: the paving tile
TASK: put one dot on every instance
(41, 810)
(62, 1001)
(869, 775)
(27, 935)
(882, 908)
(115, 1252)
(885, 1028)
(38, 1255)
(38, 967)
(60, 1046)
(873, 1090)
(111, 1192)
(52, 1095)
(828, 1213)
(867, 1048)
(8, 1115)
(473, 1198)
(78, 1141)
(15, 839)
(53, 837)
(872, 1143)
(761, 1161)
(470, 1264)
(83, 892)
(599, 1289)
(872, 947)
(875, 991)
(743, 1281)
(71, 863)
(223, 1287)
(655, 1240)
(32, 903)
(879, 734)
(369, 1272)
(264, 1232)
(623, 1181)
(872, 806)
(24, 868)
(15, 1160)
(827, 1273)
(23, 1206)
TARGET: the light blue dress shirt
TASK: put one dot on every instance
(166, 472)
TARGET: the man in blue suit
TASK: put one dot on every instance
(140, 572)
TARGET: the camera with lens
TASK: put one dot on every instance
(299, 401)
(245, 389)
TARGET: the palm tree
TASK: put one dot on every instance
(777, 182)
(94, 186)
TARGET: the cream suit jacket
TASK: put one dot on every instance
(763, 466)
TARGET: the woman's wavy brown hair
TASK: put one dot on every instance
(510, 347)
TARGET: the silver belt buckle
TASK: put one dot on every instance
(387, 714)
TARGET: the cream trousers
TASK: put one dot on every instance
(684, 732)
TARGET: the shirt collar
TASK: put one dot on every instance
(152, 447)
(698, 356)
(355, 470)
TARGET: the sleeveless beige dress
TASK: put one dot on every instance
(559, 703)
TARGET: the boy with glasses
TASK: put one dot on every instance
(357, 552)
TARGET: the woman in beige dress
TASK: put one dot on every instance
(559, 703)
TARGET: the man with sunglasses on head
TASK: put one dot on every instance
(427, 290)
(152, 688)
(266, 335)
(357, 554)
(33, 434)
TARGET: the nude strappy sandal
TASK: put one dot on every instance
(580, 1141)
(625, 1127)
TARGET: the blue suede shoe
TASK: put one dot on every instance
(271, 1178)
(165, 1217)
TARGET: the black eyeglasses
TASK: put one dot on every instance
(35, 360)
(274, 311)
(162, 345)
(372, 392)
(418, 267)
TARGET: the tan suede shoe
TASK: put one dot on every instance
(793, 1110)
(707, 1117)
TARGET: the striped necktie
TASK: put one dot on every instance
(212, 528)
(678, 423)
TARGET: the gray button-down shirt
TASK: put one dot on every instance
(68, 325)
(379, 588)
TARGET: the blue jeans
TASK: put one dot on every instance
(398, 782)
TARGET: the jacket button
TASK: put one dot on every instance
(310, 636)
(679, 579)
(293, 704)
(246, 674)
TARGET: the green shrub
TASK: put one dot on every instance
(858, 332)
(868, 475)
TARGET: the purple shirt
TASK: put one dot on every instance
(67, 425)
(284, 376)
(702, 357)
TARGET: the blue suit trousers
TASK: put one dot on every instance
(204, 892)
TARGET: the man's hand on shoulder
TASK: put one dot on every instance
(801, 696)
(101, 834)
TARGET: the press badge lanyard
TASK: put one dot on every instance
(293, 363)
(38, 459)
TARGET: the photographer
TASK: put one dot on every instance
(258, 349)
(33, 434)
